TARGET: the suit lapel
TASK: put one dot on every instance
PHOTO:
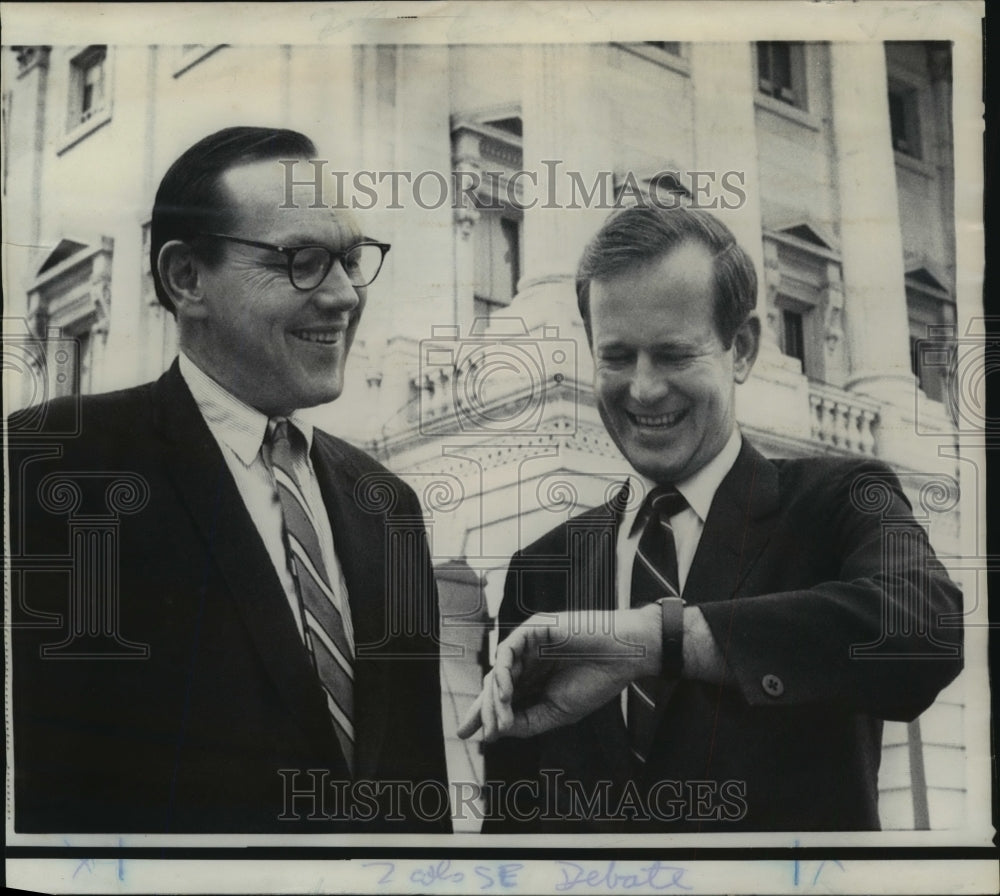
(600, 578)
(199, 473)
(360, 538)
(740, 522)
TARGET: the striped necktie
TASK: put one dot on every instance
(654, 575)
(322, 624)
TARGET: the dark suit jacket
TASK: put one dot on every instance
(790, 573)
(213, 719)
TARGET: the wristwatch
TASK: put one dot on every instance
(672, 609)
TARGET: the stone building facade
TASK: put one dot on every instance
(487, 168)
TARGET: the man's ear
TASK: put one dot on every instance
(181, 274)
(746, 343)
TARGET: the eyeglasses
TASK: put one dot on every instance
(308, 266)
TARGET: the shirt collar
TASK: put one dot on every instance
(232, 421)
(698, 489)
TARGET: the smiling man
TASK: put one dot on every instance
(255, 675)
(692, 665)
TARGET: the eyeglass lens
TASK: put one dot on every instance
(311, 265)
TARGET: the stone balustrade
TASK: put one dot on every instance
(844, 421)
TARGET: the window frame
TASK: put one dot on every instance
(490, 226)
(76, 125)
(800, 113)
(789, 307)
(478, 145)
(805, 279)
(69, 298)
(930, 312)
(679, 62)
(808, 313)
(908, 96)
(798, 82)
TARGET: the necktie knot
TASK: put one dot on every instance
(665, 501)
(279, 428)
(280, 431)
(287, 444)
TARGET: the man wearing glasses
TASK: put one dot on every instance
(275, 662)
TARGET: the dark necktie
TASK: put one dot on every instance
(654, 575)
(323, 626)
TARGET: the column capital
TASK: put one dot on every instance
(31, 57)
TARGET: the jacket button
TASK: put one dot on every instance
(773, 686)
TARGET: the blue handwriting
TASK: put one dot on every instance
(655, 876)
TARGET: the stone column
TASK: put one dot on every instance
(939, 64)
(423, 260)
(25, 117)
(563, 122)
(30, 117)
(397, 169)
(725, 140)
(875, 313)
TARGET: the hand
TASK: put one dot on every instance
(554, 669)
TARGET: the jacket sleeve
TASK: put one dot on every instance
(424, 731)
(511, 764)
(878, 632)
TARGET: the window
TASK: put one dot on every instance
(781, 72)
(68, 303)
(804, 298)
(74, 377)
(904, 120)
(88, 103)
(928, 370)
(931, 315)
(498, 261)
(796, 334)
(792, 338)
(489, 237)
(88, 91)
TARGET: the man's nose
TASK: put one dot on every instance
(648, 384)
(336, 290)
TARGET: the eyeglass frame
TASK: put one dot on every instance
(290, 251)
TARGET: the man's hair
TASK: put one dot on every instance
(634, 237)
(190, 199)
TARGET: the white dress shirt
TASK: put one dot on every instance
(239, 431)
(699, 491)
